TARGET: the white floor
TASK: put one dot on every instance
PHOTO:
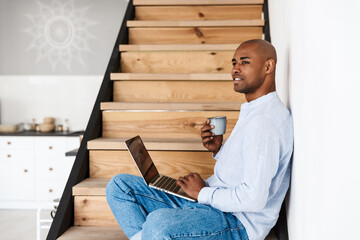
(20, 224)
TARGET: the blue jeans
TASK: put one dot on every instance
(163, 216)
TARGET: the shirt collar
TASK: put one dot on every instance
(258, 101)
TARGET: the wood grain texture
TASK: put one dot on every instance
(177, 92)
(92, 211)
(161, 144)
(106, 164)
(177, 62)
(107, 233)
(91, 187)
(199, 106)
(93, 233)
(197, 35)
(177, 47)
(172, 76)
(162, 124)
(193, 23)
(195, 2)
(198, 12)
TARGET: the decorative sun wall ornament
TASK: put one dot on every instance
(60, 33)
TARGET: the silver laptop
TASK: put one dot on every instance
(149, 172)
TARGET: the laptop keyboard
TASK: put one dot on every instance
(168, 184)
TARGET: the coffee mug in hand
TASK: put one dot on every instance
(219, 125)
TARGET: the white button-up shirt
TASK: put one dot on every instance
(252, 171)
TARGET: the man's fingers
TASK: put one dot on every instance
(183, 179)
(189, 176)
(208, 139)
(207, 134)
(180, 183)
(207, 128)
(186, 178)
(206, 123)
(196, 174)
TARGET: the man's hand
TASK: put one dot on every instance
(191, 184)
(210, 141)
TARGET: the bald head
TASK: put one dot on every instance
(263, 48)
(254, 65)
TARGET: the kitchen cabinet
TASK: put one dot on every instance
(34, 169)
(16, 181)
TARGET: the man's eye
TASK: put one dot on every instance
(233, 63)
(244, 62)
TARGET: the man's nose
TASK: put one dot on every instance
(236, 70)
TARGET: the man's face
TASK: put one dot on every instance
(248, 69)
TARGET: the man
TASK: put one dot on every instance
(242, 199)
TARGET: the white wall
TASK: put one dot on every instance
(33, 87)
(51, 37)
(23, 98)
(320, 39)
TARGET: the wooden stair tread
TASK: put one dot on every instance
(172, 76)
(107, 233)
(91, 187)
(196, 2)
(150, 144)
(94, 233)
(195, 23)
(176, 47)
(207, 106)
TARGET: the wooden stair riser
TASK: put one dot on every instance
(176, 91)
(93, 211)
(106, 164)
(164, 124)
(200, 35)
(177, 62)
(198, 12)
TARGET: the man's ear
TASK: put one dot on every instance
(269, 66)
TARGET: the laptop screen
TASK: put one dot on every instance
(142, 159)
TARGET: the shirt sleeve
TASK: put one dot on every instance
(217, 156)
(261, 156)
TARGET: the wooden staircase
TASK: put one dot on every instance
(175, 73)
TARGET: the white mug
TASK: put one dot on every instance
(219, 125)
